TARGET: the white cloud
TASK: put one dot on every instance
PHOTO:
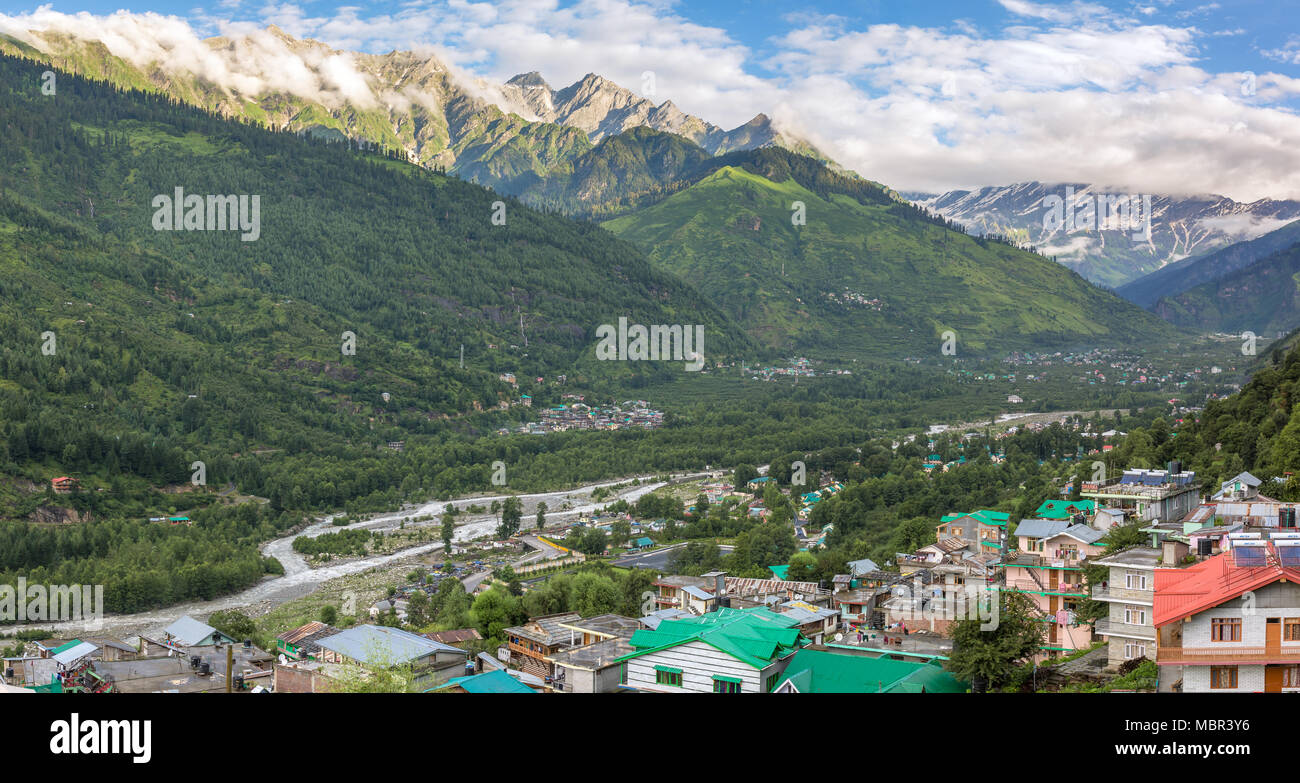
(1063, 92)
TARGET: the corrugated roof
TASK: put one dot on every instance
(188, 631)
(458, 635)
(823, 671)
(1064, 509)
(653, 619)
(754, 636)
(548, 628)
(73, 654)
(1041, 528)
(381, 645)
(864, 566)
(1181, 592)
(498, 681)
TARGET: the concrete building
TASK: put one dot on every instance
(1048, 568)
(1231, 623)
(726, 651)
(1129, 594)
(1148, 495)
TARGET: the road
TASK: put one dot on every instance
(300, 579)
(657, 559)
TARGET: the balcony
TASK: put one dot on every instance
(1029, 586)
(1045, 560)
(1121, 629)
(911, 560)
(1123, 595)
(1227, 655)
(525, 650)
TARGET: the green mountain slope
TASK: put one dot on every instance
(415, 106)
(866, 274)
(1263, 297)
(1190, 272)
(204, 346)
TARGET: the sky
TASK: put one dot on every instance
(1154, 96)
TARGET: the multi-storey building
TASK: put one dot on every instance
(1048, 569)
(725, 651)
(1231, 623)
(1148, 495)
(984, 527)
(1129, 593)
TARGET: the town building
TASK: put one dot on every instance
(818, 670)
(300, 643)
(1047, 567)
(1129, 594)
(725, 651)
(378, 646)
(592, 666)
(188, 632)
(1148, 495)
(531, 646)
(1231, 623)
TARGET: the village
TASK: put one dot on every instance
(1202, 597)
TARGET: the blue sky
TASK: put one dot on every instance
(1154, 95)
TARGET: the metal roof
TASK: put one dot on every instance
(754, 636)
(190, 632)
(498, 681)
(381, 645)
(1041, 528)
(74, 654)
(1182, 592)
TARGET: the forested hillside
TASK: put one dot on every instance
(1263, 297)
(1257, 429)
(806, 259)
(129, 353)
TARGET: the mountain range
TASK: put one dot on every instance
(507, 136)
(1191, 272)
(867, 274)
(1180, 226)
(808, 259)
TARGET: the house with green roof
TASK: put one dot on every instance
(1065, 509)
(497, 681)
(984, 526)
(724, 651)
(824, 671)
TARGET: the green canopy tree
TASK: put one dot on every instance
(987, 656)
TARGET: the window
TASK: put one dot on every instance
(665, 675)
(1291, 629)
(1135, 615)
(1135, 581)
(726, 684)
(771, 682)
(1134, 650)
(1225, 630)
(1291, 677)
(1223, 677)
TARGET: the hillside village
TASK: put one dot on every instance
(1132, 583)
